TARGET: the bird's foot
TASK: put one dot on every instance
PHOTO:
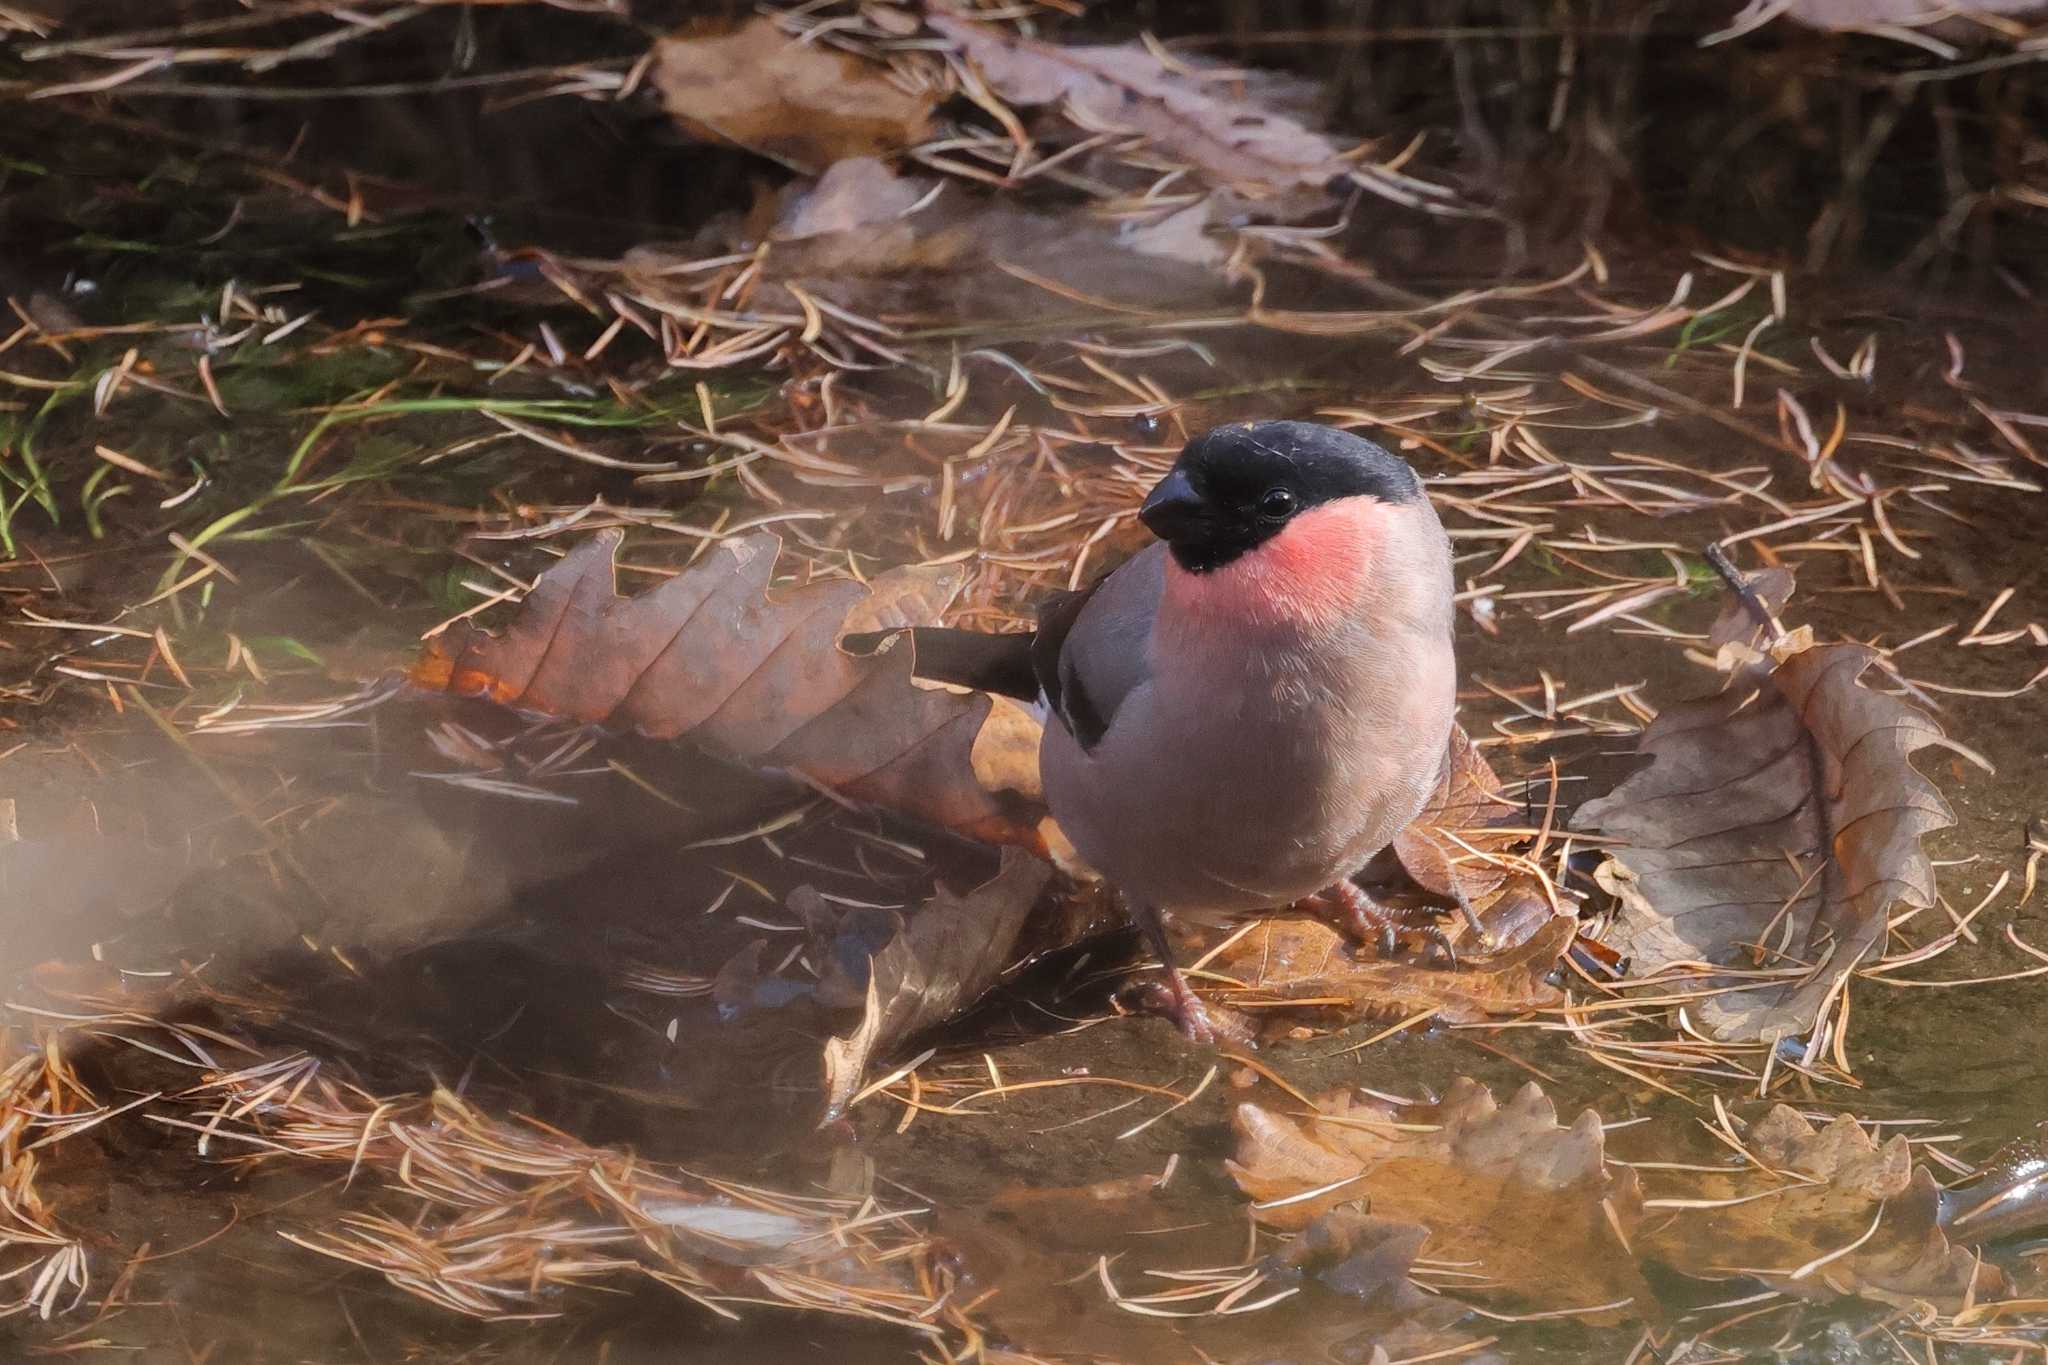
(1171, 995)
(1362, 919)
(1198, 1022)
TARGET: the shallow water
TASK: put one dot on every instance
(351, 890)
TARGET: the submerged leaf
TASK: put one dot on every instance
(1783, 812)
(753, 673)
(878, 243)
(1138, 1269)
(1540, 1212)
(1530, 1204)
(1292, 958)
(1835, 1214)
(1354, 1252)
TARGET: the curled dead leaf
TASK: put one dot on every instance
(940, 959)
(1784, 811)
(1445, 850)
(1229, 141)
(717, 656)
(852, 237)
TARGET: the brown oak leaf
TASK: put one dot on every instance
(749, 671)
(1444, 849)
(1291, 958)
(1835, 1214)
(938, 961)
(1229, 141)
(1532, 1205)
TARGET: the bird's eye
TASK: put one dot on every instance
(1277, 504)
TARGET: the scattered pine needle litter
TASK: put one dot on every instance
(500, 1214)
(41, 1102)
(514, 1210)
(1585, 432)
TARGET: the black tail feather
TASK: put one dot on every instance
(965, 658)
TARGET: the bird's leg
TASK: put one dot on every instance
(1365, 920)
(1182, 1005)
(1471, 916)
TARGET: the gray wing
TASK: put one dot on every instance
(1088, 653)
(1092, 647)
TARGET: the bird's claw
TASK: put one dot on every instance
(1197, 1022)
(1438, 941)
(1365, 920)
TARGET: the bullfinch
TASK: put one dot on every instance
(1246, 711)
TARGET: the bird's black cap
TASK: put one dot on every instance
(1235, 487)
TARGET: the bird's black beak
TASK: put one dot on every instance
(1173, 509)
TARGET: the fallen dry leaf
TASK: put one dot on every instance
(1849, 1217)
(858, 192)
(1531, 1205)
(1193, 116)
(930, 966)
(1053, 1272)
(1540, 1211)
(802, 104)
(1445, 848)
(1355, 1252)
(1296, 958)
(1784, 811)
(752, 672)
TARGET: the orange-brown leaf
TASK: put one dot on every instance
(1443, 849)
(1530, 1205)
(939, 961)
(754, 674)
(1831, 1190)
(1300, 958)
(1227, 140)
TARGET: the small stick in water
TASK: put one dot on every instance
(1739, 584)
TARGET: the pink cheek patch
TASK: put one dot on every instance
(1314, 573)
(1316, 569)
